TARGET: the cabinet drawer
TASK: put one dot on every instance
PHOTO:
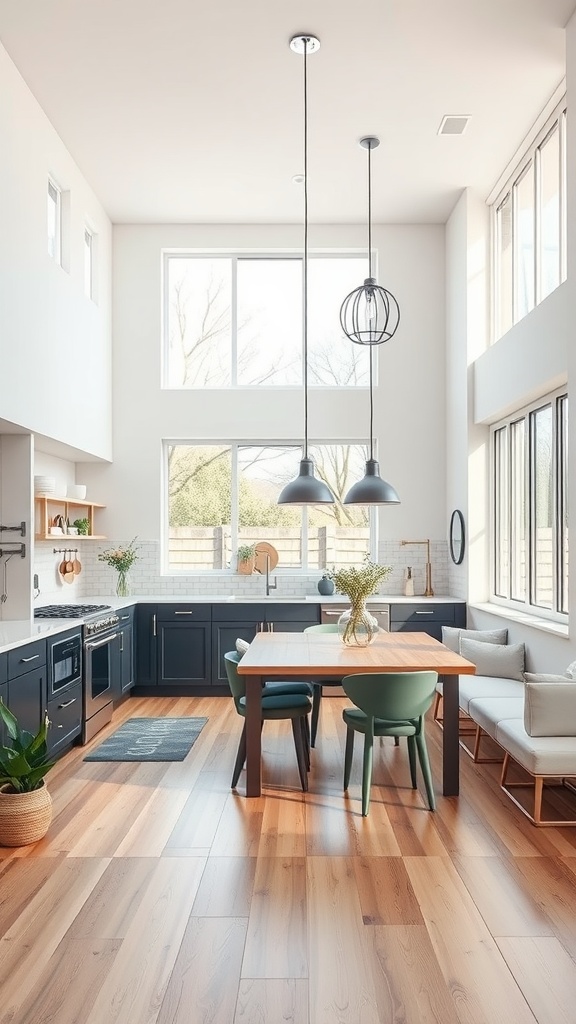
(24, 659)
(238, 612)
(184, 612)
(422, 613)
(279, 613)
(65, 714)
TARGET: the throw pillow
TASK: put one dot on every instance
(504, 660)
(242, 646)
(451, 636)
(571, 670)
(544, 677)
(550, 709)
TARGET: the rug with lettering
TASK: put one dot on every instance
(150, 739)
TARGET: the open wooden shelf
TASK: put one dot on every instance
(48, 507)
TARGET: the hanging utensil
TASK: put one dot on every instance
(77, 566)
(69, 563)
(62, 566)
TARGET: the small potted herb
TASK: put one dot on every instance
(246, 554)
(83, 526)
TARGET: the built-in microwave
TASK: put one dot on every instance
(64, 663)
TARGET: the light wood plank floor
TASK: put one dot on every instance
(160, 896)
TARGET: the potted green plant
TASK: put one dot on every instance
(25, 803)
(83, 526)
(246, 554)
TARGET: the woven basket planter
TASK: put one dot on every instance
(24, 817)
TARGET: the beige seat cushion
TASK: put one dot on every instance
(472, 687)
(540, 755)
(487, 712)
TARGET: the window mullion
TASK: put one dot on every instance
(235, 490)
(234, 322)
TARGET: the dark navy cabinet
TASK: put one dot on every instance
(65, 719)
(427, 617)
(3, 691)
(230, 622)
(146, 644)
(292, 618)
(184, 645)
(126, 631)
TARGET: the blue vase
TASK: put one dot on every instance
(326, 587)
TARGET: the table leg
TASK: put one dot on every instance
(253, 735)
(450, 743)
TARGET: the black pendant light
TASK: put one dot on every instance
(305, 489)
(371, 489)
(370, 314)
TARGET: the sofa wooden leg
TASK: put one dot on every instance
(538, 787)
(505, 764)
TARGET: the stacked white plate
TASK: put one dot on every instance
(45, 486)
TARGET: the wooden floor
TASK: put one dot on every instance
(161, 897)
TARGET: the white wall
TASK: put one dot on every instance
(410, 399)
(56, 343)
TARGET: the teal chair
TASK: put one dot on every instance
(389, 704)
(324, 627)
(294, 706)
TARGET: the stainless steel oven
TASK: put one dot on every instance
(101, 678)
(64, 663)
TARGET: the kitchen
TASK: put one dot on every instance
(225, 900)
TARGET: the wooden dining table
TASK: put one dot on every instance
(314, 656)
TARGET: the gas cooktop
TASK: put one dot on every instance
(69, 611)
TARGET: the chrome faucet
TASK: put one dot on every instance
(428, 592)
(269, 586)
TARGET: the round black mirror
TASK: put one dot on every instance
(457, 536)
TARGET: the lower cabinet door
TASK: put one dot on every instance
(184, 654)
(224, 637)
(27, 698)
(65, 714)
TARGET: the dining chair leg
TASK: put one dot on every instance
(348, 755)
(240, 758)
(300, 755)
(425, 766)
(316, 698)
(367, 772)
(412, 760)
(305, 729)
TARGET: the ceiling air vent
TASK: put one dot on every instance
(453, 124)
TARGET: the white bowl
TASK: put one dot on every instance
(44, 485)
(77, 491)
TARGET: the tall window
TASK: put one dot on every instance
(221, 496)
(54, 211)
(88, 263)
(237, 321)
(530, 465)
(529, 228)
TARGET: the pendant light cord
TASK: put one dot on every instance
(371, 409)
(305, 293)
(370, 214)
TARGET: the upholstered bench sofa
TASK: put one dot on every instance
(531, 716)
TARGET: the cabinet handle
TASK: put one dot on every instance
(121, 643)
(153, 625)
(270, 627)
(260, 627)
(424, 613)
(124, 617)
(332, 613)
(33, 658)
(183, 613)
(66, 705)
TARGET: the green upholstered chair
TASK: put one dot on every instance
(389, 704)
(324, 627)
(295, 706)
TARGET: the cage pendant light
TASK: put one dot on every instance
(370, 314)
(305, 489)
(371, 489)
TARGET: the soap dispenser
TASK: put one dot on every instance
(409, 582)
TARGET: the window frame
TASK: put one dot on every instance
(304, 570)
(236, 255)
(57, 254)
(558, 402)
(531, 156)
(89, 262)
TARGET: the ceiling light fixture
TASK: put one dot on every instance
(371, 489)
(305, 489)
(370, 314)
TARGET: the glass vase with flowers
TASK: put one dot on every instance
(356, 627)
(121, 559)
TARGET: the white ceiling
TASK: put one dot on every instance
(179, 111)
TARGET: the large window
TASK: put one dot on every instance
(237, 321)
(529, 228)
(221, 496)
(530, 466)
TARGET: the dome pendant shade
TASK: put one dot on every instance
(372, 490)
(370, 314)
(306, 489)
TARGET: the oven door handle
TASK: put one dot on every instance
(91, 646)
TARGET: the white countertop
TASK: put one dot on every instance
(16, 632)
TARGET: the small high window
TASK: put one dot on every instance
(54, 211)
